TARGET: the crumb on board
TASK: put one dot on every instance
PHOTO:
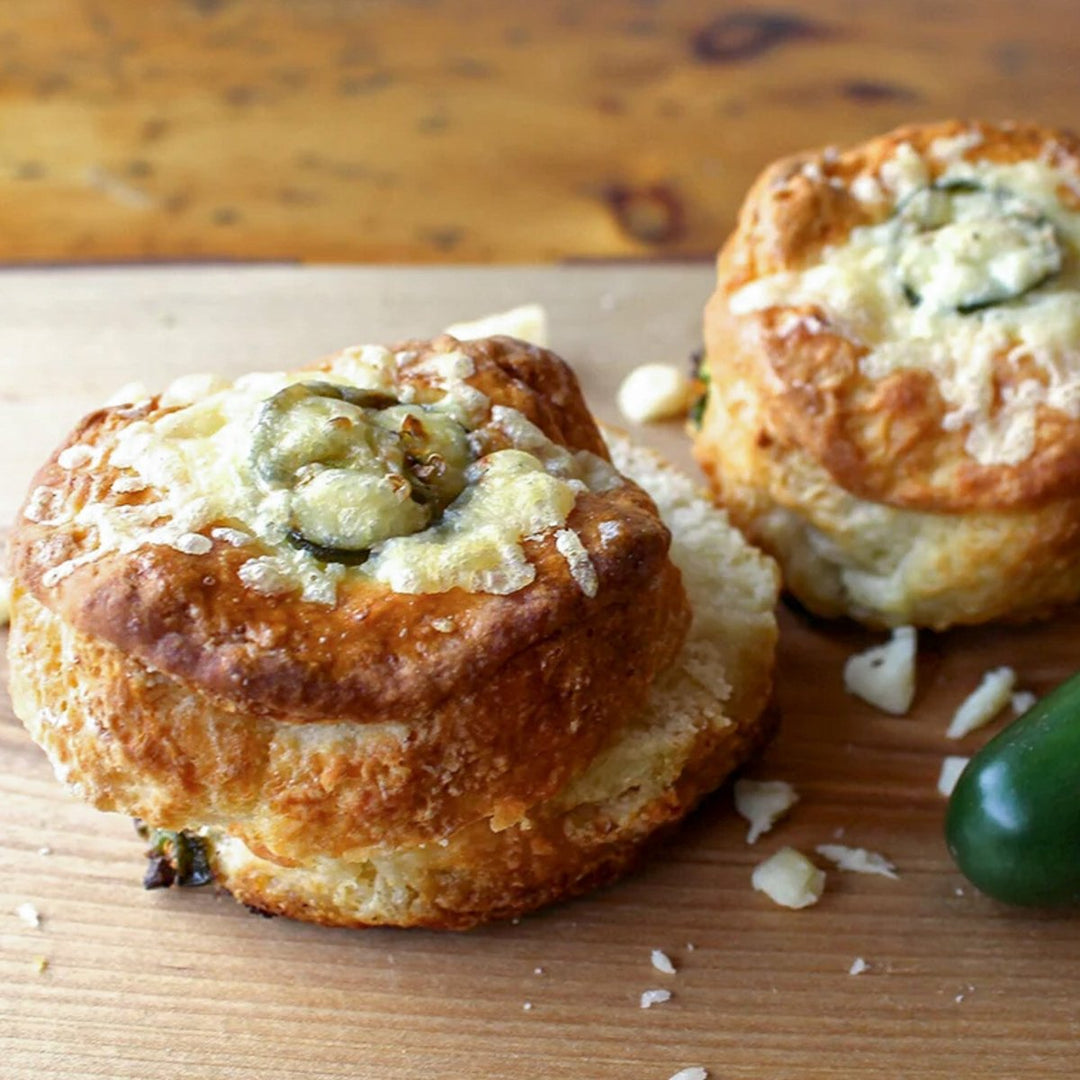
(1022, 700)
(29, 915)
(40, 964)
(654, 392)
(789, 879)
(694, 1072)
(763, 803)
(857, 860)
(983, 703)
(649, 998)
(662, 962)
(951, 768)
(858, 966)
(884, 676)
(526, 1006)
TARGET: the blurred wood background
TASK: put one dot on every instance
(467, 130)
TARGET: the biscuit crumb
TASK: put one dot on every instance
(649, 998)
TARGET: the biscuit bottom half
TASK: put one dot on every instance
(704, 716)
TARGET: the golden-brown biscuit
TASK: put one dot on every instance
(366, 629)
(893, 356)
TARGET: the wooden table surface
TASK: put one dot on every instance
(149, 986)
(468, 130)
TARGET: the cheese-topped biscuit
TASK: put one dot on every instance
(336, 618)
(893, 363)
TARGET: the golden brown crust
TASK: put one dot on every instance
(193, 618)
(482, 875)
(880, 439)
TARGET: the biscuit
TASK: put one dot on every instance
(425, 713)
(893, 401)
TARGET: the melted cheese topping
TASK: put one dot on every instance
(858, 292)
(195, 463)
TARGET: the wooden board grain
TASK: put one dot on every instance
(468, 130)
(155, 985)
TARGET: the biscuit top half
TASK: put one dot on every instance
(911, 311)
(343, 538)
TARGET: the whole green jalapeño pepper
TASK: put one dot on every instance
(1013, 824)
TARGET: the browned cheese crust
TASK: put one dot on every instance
(864, 485)
(164, 688)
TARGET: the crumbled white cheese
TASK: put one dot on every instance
(569, 546)
(1022, 700)
(763, 803)
(529, 322)
(75, 457)
(884, 676)
(662, 962)
(29, 915)
(984, 703)
(654, 392)
(193, 544)
(694, 1072)
(128, 394)
(232, 537)
(951, 768)
(527, 1005)
(649, 998)
(789, 879)
(858, 966)
(857, 860)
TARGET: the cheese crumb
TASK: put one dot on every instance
(193, 544)
(29, 915)
(857, 860)
(75, 457)
(443, 624)
(695, 1072)
(527, 1006)
(858, 966)
(44, 850)
(884, 676)
(649, 998)
(984, 703)
(951, 768)
(763, 803)
(570, 547)
(129, 394)
(662, 962)
(529, 322)
(654, 392)
(1023, 700)
(789, 879)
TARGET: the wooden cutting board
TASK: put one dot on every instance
(188, 984)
